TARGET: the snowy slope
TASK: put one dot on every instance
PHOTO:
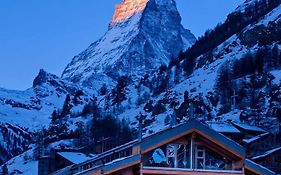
(23, 164)
(24, 112)
(32, 108)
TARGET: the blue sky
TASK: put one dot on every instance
(46, 34)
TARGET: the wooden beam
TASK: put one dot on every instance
(185, 172)
(219, 150)
(220, 144)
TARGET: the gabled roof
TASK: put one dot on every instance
(75, 157)
(178, 131)
(257, 168)
(248, 127)
(222, 127)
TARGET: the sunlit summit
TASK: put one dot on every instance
(127, 9)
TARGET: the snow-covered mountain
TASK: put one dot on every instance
(24, 112)
(244, 64)
(142, 36)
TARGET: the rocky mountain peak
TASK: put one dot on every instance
(40, 78)
(135, 43)
(127, 9)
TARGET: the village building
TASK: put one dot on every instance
(228, 130)
(248, 130)
(191, 148)
(270, 159)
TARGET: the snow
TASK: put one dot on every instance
(107, 50)
(76, 157)
(66, 144)
(253, 139)
(117, 160)
(277, 75)
(33, 118)
(223, 127)
(242, 7)
(260, 166)
(267, 153)
(273, 16)
(232, 116)
(201, 81)
(23, 164)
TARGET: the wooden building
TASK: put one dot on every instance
(270, 159)
(248, 130)
(227, 129)
(191, 148)
(258, 144)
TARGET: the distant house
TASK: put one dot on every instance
(270, 159)
(258, 144)
(60, 160)
(248, 130)
(227, 129)
(191, 148)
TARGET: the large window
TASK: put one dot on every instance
(209, 160)
(170, 156)
(179, 156)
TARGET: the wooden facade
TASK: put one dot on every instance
(187, 149)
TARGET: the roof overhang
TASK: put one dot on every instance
(121, 164)
(181, 130)
(256, 168)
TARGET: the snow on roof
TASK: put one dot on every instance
(121, 162)
(222, 127)
(258, 167)
(76, 157)
(248, 127)
(253, 139)
(267, 153)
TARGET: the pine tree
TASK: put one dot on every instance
(5, 170)
(54, 116)
(125, 133)
(77, 95)
(186, 96)
(260, 59)
(103, 90)
(274, 56)
(66, 106)
(119, 92)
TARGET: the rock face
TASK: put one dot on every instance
(127, 9)
(142, 36)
